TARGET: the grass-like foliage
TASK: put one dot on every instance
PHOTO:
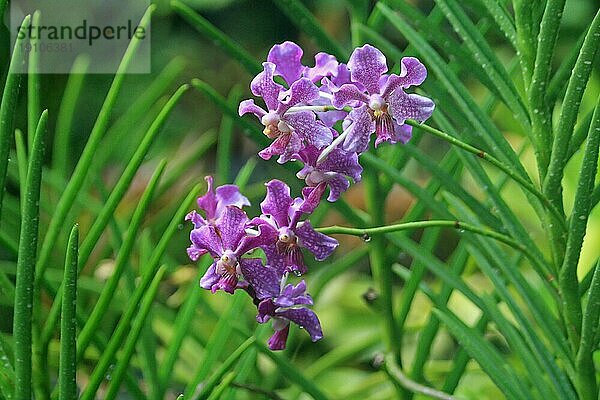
(468, 264)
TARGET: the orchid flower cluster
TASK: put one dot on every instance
(303, 105)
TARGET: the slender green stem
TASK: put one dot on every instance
(33, 83)
(102, 303)
(382, 273)
(568, 281)
(68, 323)
(224, 141)
(134, 334)
(21, 149)
(541, 115)
(552, 186)
(61, 157)
(100, 126)
(9, 104)
(23, 315)
(526, 184)
(394, 371)
(379, 230)
(586, 372)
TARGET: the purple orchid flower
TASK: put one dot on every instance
(290, 130)
(284, 304)
(332, 171)
(226, 241)
(213, 203)
(381, 105)
(282, 213)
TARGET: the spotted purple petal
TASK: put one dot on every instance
(325, 65)
(265, 280)
(248, 106)
(231, 227)
(403, 106)
(277, 202)
(412, 73)
(366, 65)
(343, 162)
(401, 133)
(317, 243)
(194, 252)
(207, 238)
(348, 94)
(360, 130)
(264, 86)
(301, 91)
(210, 278)
(313, 131)
(305, 319)
(279, 338)
(287, 59)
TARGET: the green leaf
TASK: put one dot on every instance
(300, 16)
(61, 157)
(9, 104)
(133, 335)
(223, 41)
(100, 126)
(68, 322)
(487, 357)
(225, 137)
(124, 323)
(216, 344)
(121, 262)
(34, 107)
(578, 221)
(115, 197)
(22, 326)
(586, 371)
(217, 376)
(286, 368)
(485, 56)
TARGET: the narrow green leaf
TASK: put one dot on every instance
(21, 148)
(215, 345)
(487, 357)
(22, 325)
(485, 56)
(578, 220)
(105, 298)
(586, 371)
(124, 323)
(223, 41)
(181, 328)
(134, 334)
(300, 16)
(70, 193)
(527, 22)
(223, 167)
(561, 77)
(225, 381)
(9, 104)
(68, 322)
(34, 107)
(568, 115)
(481, 122)
(286, 368)
(503, 20)
(217, 376)
(115, 197)
(62, 159)
(7, 375)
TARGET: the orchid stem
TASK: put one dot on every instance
(368, 232)
(526, 184)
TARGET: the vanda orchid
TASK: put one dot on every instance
(299, 117)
